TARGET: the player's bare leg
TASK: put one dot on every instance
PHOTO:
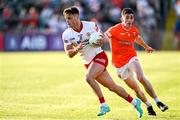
(131, 82)
(140, 76)
(147, 85)
(106, 80)
(92, 72)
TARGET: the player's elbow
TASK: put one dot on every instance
(70, 55)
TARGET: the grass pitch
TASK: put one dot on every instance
(51, 86)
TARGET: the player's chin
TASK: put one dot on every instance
(129, 24)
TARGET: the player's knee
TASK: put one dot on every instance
(88, 79)
(141, 78)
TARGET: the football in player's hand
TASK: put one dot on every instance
(94, 37)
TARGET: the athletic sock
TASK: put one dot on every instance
(104, 104)
(148, 104)
(133, 102)
(129, 99)
(156, 100)
(101, 100)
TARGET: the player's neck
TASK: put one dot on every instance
(78, 27)
(126, 27)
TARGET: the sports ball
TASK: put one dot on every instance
(94, 37)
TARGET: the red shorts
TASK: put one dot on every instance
(100, 58)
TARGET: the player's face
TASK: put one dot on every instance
(72, 20)
(128, 19)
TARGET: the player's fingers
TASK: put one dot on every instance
(83, 45)
(99, 41)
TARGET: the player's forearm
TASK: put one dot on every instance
(141, 42)
(72, 52)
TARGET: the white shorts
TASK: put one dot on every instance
(124, 71)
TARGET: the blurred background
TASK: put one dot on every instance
(37, 25)
(50, 86)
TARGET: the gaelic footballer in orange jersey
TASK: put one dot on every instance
(122, 38)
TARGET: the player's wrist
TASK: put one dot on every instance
(77, 49)
(146, 46)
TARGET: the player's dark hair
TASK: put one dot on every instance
(71, 10)
(127, 11)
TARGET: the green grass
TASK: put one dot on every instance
(51, 86)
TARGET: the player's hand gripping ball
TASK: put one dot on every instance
(94, 37)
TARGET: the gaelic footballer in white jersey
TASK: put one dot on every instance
(71, 36)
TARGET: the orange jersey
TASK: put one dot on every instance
(122, 44)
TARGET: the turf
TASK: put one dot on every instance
(51, 86)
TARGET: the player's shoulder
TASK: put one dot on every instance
(134, 28)
(66, 31)
(114, 28)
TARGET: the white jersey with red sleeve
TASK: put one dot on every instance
(71, 36)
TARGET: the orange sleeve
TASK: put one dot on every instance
(108, 33)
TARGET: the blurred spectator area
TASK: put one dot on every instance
(45, 16)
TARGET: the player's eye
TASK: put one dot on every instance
(131, 16)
